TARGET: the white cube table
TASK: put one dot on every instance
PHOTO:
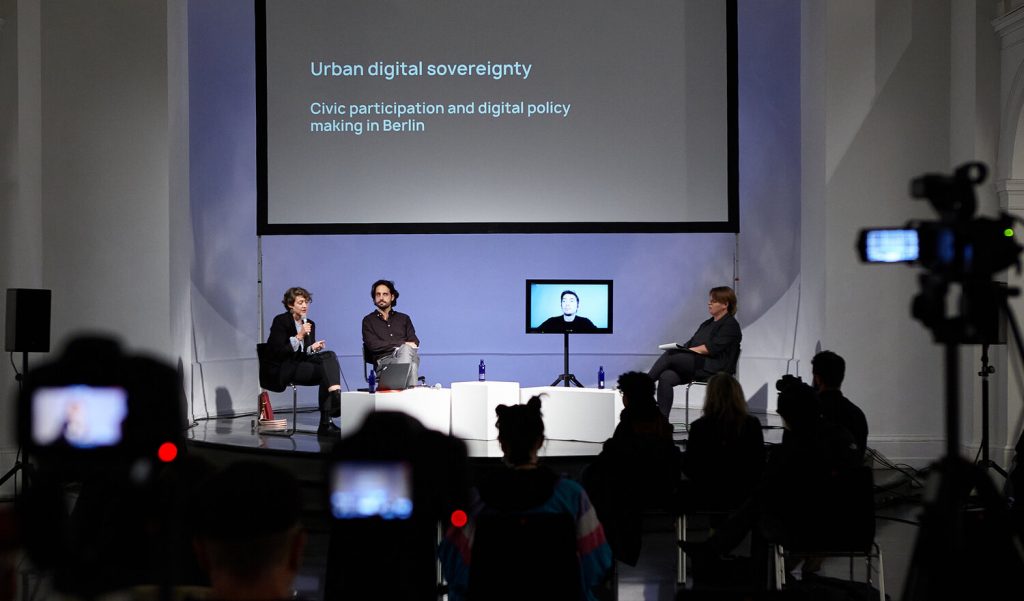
(473, 406)
(587, 414)
(431, 406)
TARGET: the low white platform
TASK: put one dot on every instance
(585, 414)
(473, 406)
(431, 406)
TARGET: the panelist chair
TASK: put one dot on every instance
(367, 360)
(702, 386)
(268, 383)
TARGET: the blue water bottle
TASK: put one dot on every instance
(372, 380)
(482, 371)
(600, 376)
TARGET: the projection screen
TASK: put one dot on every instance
(477, 116)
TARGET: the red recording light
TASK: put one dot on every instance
(459, 518)
(167, 452)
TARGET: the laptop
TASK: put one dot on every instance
(394, 376)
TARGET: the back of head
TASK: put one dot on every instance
(637, 388)
(249, 511)
(725, 402)
(520, 429)
(829, 368)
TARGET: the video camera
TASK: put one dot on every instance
(956, 248)
(96, 408)
(787, 381)
(388, 487)
(97, 426)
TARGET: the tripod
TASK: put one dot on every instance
(565, 375)
(954, 538)
(18, 465)
(986, 371)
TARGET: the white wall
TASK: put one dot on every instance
(90, 214)
(879, 109)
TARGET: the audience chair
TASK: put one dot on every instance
(267, 383)
(525, 556)
(846, 528)
(753, 547)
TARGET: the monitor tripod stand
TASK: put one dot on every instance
(565, 376)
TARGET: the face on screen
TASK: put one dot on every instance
(569, 305)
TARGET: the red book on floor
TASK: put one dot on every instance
(266, 411)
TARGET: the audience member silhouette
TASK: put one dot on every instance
(638, 467)
(725, 454)
(525, 486)
(792, 499)
(249, 537)
(828, 370)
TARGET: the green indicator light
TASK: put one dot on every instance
(1008, 232)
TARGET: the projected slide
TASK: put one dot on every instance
(408, 116)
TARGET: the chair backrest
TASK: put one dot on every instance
(525, 556)
(844, 520)
(734, 364)
(367, 360)
(266, 371)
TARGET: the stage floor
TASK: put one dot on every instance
(238, 434)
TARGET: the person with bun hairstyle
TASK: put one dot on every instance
(524, 485)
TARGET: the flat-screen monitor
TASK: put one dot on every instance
(573, 306)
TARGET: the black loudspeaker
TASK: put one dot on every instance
(28, 321)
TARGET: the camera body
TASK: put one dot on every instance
(96, 408)
(388, 486)
(787, 381)
(956, 248)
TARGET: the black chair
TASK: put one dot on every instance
(268, 382)
(845, 527)
(731, 370)
(525, 556)
(367, 360)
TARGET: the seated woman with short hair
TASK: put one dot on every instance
(296, 356)
(714, 347)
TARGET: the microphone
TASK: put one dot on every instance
(305, 342)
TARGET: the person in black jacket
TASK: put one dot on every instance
(638, 468)
(828, 370)
(714, 347)
(296, 356)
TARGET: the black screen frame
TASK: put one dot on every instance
(569, 284)
(263, 228)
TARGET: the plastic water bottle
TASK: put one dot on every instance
(482, 371)
(600, 376)
(372, 380)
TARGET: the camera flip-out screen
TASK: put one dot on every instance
(890, 246)
(83, 417)
(369, 489)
